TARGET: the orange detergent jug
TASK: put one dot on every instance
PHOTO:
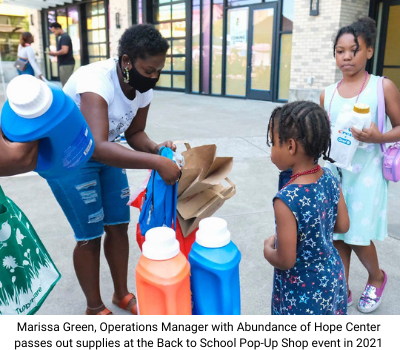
(162, 276)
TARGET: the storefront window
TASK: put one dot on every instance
(391, 64)
(179, 81)
(232, 3)
(179, 29)
(206, 46)
(62, 18)
(261, 51)
(217, 41)
(285, 56)
(96, 31)
(164, 81)
(196, 46)
(179, 47)
(164, 13)
(179, 11)
(284, 66)
(236, 51)
(170, 21)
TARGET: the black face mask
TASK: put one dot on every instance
(138, 81)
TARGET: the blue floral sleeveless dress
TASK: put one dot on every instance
(365, 190)
(316, 285)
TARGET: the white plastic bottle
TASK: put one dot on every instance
(362, 110)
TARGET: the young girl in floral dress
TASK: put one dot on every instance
(364, 188)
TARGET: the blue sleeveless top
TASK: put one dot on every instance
(316, 285)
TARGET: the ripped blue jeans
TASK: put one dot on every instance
(92, 198)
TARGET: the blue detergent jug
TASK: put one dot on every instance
(39, 111)
(214, 261)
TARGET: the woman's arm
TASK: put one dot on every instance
(95, 110)
(32, 61)
(342, 224)
(137, 137)
(17, 158)
(283, 257)
(63, 51)
(135, 134)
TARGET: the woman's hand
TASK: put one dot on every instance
(17, 158)
(370, 135)
(168, 170)
(168, 144)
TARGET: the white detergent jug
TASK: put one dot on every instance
(344, 145)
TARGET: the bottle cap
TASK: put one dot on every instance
(160, 244)
(361, 108)
(213, 233)
(29, 97)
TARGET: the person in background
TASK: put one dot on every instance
(26, 53)
(64, 53)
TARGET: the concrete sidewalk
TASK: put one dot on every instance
(238, 128)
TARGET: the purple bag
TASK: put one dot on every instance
(391, 155)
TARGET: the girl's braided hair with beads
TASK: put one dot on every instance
(364, 27)
(305, 122)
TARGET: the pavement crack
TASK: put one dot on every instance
(262, 150)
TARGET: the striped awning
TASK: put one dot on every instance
(38, 4)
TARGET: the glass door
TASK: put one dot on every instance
(391, 62)
(236, 51)
(250, 51)
(260, 72)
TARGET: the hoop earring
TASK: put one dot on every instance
(126, 75)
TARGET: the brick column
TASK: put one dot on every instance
(36, 30)
(124, 8)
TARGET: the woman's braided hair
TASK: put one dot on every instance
(305, 122)
(364, 27)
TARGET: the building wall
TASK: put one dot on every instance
(313, 65)
(36, 30)
(123, 7)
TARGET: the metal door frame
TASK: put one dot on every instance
(265, 95)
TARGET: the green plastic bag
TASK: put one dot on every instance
(27, 273)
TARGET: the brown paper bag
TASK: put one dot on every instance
(202, 205)
(202, 170)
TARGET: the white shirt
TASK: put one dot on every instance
(28, 54)
(101, 78)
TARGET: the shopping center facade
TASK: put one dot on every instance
(272, 50)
